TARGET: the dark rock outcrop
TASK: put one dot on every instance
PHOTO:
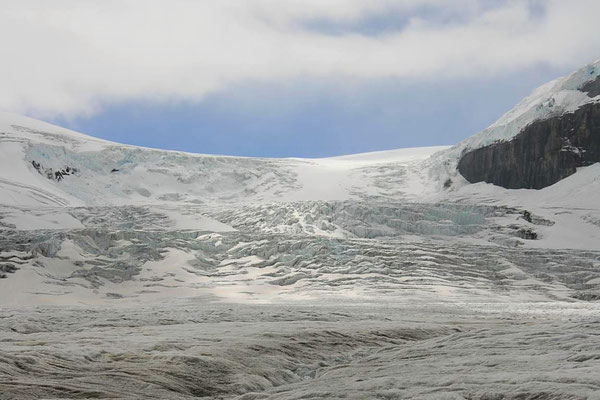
(528, 234)
(592, 88)
(542, 154)
(6, 268)
(51, 174)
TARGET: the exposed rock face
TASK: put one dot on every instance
(57, 175)
(592, 88)
(542, 153)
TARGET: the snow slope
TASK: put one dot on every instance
(187, 188)
(109, 173)
(129, 272)
(226, 226)
(56, 180)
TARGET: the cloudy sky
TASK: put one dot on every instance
(285, 77)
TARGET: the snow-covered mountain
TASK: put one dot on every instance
(47, 165)
(553, 99)
(542, 140)
(303, 267)
(47, 171)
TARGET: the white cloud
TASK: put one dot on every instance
(68, 57)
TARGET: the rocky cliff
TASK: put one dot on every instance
(543, 153)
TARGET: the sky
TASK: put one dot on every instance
(283, 78)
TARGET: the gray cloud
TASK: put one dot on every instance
(68, 57)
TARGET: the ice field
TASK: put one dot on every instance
(129, 272)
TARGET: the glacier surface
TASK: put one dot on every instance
(128, 272)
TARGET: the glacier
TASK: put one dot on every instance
(129, 272)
